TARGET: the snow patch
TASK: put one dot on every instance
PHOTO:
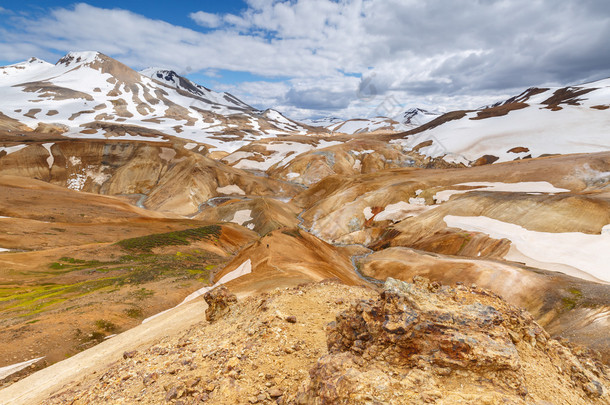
(242, 216)
(588, 253)
(12, 369)
(521, 187)
(76, 181)
(231, 189)
(11, 149)
(292, 175)
(50, 159)
(74, 160)
(401, 210)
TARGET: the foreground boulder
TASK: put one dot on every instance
(219, 301)
(427, 343)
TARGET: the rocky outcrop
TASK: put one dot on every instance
(422, 342)
(219, 301)
(413, 343)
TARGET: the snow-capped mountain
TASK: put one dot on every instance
(88, 93)
(322, 122)
(539, 121)
(173, 79)
(419, 116)
(410, 119)
(367, 125)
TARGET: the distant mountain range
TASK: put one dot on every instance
(88, 93)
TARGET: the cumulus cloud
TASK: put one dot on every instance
(419, 52)
(204, 19)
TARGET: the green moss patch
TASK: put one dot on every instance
(184, 237)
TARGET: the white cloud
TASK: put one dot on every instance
(206, 19)
(463, 53)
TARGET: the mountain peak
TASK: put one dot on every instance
(419, 116)
(81, 57)
(170, 78)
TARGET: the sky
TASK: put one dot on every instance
(323, 58)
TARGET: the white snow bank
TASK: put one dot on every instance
(242, 270)
(520, 187)
(11, 149)
(401, 210)
(292, 175)
(231, 189)
(10, 370)
(588, 253)
(50, 159)
(573, 129)
(242, 216)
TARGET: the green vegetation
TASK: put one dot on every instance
(106, 325)
(572, 300)
(68, 264)
(134, 312)
(142, 294)
(184, 237)
(466, 237)
(108, 276)
(292, 232)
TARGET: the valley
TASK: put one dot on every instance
(124, 195)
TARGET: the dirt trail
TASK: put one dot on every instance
(40, 385)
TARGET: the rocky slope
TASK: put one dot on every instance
(329, 343)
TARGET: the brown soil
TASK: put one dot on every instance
(273, 348)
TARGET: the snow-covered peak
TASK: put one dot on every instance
(596, 84)
(23, 71)
(322, 122)
(27, 64)
(89, 93)
(35, 61)
(419, 116)
(275, 115)
(365, 125)
(539, 121)
(83, 57)
(173, 79)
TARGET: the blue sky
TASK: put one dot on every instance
(344, 58)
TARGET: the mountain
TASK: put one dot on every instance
(367, 125)
(171, 78)
(322, 122)
(410, 119)
(127, 196)
(419, 116)
(537, 122)
(87, 94)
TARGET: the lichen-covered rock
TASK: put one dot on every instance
(410, 321)
(422, 342)
(219, 300)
